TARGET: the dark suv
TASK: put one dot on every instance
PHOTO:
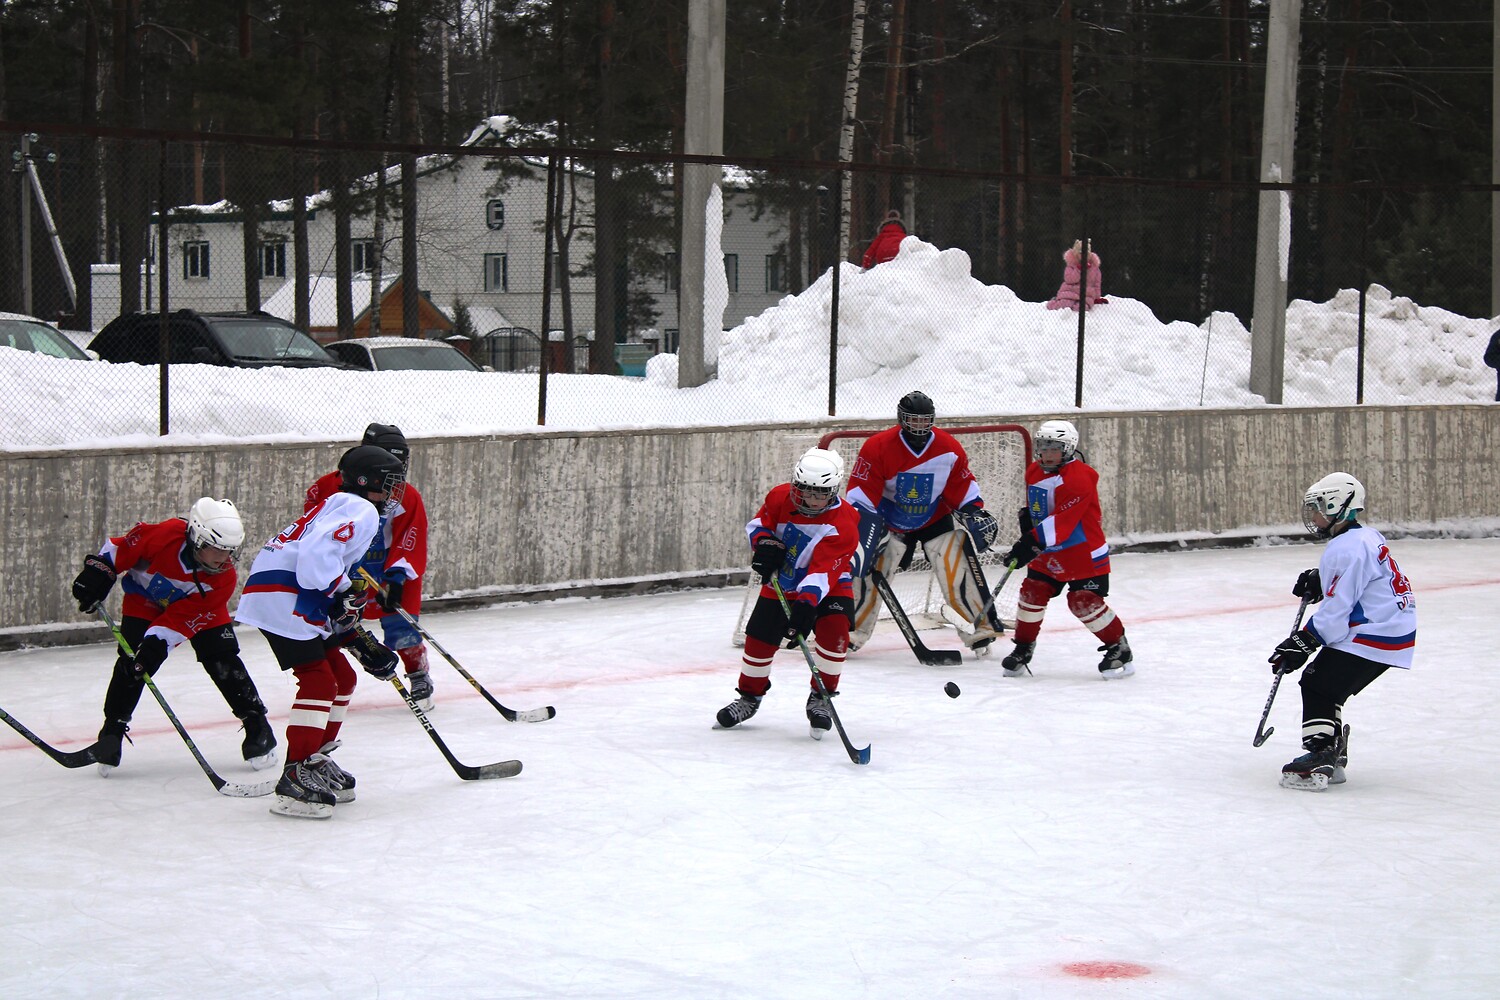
(232, 339)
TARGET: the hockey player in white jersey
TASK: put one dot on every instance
(1366, 622)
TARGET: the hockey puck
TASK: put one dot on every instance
(951, 689)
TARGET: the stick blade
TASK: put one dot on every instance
(500, 769)
(238, 791)
(860, 756)
(941, 657)
(536, 714)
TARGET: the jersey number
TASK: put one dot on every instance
(294, 531)
(1400, 585)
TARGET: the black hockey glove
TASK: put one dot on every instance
(803, 617)
(1023, 518)
(378, 660)
(1026, 549)
(347, 607)
(770, 556)
(1293, 651)
(982, 525)
(390, 599)
(91, 585)
(149, 655)
(1308, 586)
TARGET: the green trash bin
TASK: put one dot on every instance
(632, 359)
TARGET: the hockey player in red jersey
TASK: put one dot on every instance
(398, 558)
(806, 537)
(1366, 623)
(1063, 547)
(177, 577)
(912, 485)
(302, 597)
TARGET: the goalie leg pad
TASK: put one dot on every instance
(867, 598)
(960, 590)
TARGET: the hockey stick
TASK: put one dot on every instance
(230, 788)
(468, 772)
(511, 715)
(858, 755)
(67, 758)
(1261, 732)
(930, 657)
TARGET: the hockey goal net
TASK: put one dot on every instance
(998, 456)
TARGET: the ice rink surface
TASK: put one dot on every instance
(1050, 837)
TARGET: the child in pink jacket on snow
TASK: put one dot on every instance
(1067, 295)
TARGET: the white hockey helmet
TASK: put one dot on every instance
(1338, 496)
(816, 480)
(1056, 434)
(214, 524)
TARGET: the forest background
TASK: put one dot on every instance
(1005, 127)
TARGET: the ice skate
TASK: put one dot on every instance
(107, 749)
(338, 780)
(420, 686)
(1313, 771)
(1016, 662)
(819, 718)
(1117, 660)
(259, 747)
(301, 792)
(1338, 777)
(737, 711)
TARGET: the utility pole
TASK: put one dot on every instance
(1273, 238)
(703, 135)
(25, 165)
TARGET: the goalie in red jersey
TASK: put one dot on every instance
(912, 485)
(1063, 548)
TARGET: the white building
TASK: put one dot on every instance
(480, 241)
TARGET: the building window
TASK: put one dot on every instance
(557, 271)
(195, 259)
(496, 273)
(673, 280)
(776, 272)
(273, 259)
(669, 340)
(494, 214)
(363, 254)
(732, 271)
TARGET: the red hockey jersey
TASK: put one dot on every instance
(399, 548)
(163, 586)
(819, 547)
(1065, 516)
(911, 489)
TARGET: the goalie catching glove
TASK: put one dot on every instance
(983, 527)
(770, 556)
(1293, 651)
(91, 585)
(378, 660)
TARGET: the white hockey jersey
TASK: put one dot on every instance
(1368, 607)
(295, 575)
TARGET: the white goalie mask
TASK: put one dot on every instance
(816, 480)
(214, 524)
(1338, 497)
(1056, 434)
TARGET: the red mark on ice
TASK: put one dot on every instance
(1106, 970)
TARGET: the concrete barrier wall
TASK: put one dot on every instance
(522, 513)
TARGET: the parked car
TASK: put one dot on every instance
(385, 354)
(236, 340)
(27, 333)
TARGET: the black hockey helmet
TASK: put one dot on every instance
(915, 413)
(389, 437)
(367, 469)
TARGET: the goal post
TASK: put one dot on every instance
(998, 455)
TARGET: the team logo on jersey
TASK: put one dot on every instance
(914, 491)
(159, 591)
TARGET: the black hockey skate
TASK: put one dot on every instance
(1117, 660)
(338, 780)
(737, 711)
(259, 748)
(1313, 771)
(1338, 777)
(819, 718)
(1016, 661)
(420, 685)
(108, 748)
(301, 792)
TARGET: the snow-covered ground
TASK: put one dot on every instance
(1052, 837)
(920, 321)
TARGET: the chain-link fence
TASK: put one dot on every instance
(546, 285)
